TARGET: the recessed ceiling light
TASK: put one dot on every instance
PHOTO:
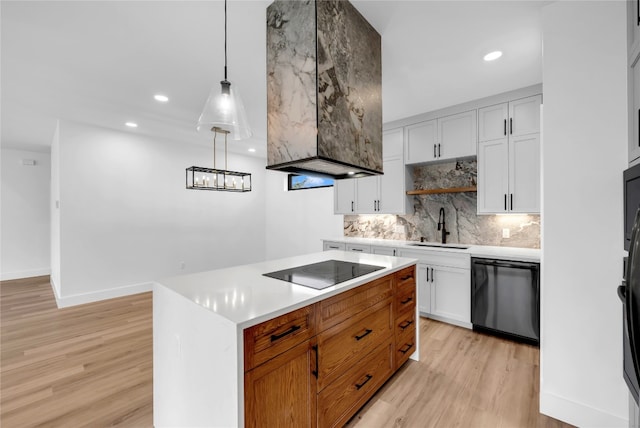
(131, 124)
(161, 98)
(351, 173)
(252, 150)
(492, 56)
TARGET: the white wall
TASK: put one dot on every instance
(298, 220)
(127, 219)
(54, 209)
(584, 154)
(24, 224)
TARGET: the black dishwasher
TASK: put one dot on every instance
(505, 298)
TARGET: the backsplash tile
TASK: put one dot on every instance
(465, 225)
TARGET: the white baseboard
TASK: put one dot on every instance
(578, 414)
(447, 320)
(8, 276)
(79, 299)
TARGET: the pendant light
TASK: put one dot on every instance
(224, 108)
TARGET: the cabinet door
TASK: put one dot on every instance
(393, 197)
(367, 195)
(344, 196)
(634, 105)
(424, 289)
(358, 248)
(451, 293)
(457, 136)
(633, 24)
(524, 116)
(329, 245)
(282, 391)
(493, 176)
(392, 144)
(421, 142)
(524, 174)
(492, 122)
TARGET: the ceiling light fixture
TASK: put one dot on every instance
(161, 98)
(252, 150)
(491, 56)
(224, 108)
(131, 124)
(199, 178)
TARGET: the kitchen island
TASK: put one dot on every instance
(202, 321)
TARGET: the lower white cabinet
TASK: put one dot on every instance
(385, 251)
(359, 248)
(444, 286)
(331, 245)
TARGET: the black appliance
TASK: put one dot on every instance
(629, 293)
(505, 298)
(323, 274)
(631, 187)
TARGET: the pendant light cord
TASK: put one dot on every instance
(225, 39)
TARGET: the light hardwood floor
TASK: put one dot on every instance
(91, 365)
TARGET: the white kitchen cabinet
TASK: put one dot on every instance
(634, 110)
(509, 157)
(444, 285)
(383, 250)
(421, 142)
(633, 24)
(444, 138)
(380, 194)
(359, 248)
(457, 135)
(332, 245)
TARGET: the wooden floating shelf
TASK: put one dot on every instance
(437, 191)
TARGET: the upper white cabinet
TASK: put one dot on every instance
(381, 194)
(509, 157)
(633, 24)
(444, 138)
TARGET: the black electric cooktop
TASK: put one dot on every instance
(323, 274)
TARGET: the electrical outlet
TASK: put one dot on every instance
(506, 233)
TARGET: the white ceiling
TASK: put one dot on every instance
(101, 62)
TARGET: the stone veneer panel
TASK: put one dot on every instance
(465, 225)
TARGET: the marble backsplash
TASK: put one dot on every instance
(465, 225)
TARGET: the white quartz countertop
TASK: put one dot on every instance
(486, 251)
(243, 296)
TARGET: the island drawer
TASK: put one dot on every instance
(405, 301)
(342, 345)
(271, 338)
(405, 278)
(405, 322)
(405, 345)
(344, 305)
(338, 401)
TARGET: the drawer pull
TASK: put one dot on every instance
(409, 346)
(404, 278)
(360, 385)
(405, 324)
(366, 333)
(407, 300)
(275, 337)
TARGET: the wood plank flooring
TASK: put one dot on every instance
(91, 365)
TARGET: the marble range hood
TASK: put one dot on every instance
(324, 79)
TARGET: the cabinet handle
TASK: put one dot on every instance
(409, 346)
(360, 385)
(404, 278)
(367, 332)
(427, 274)
(434, 147)
(439, 150)
(431, 274)
(357, 249)
(334, 248)
(316, 371)
(405, 324)
(394, 251)
(407, 300)
(505, 121)
(293, 328)
(351, 206)
(510, 126)
(511, 201)
(638, 11)
(505, 201)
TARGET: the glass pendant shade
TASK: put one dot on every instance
(224, 109)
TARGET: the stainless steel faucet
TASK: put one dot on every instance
(441, 226)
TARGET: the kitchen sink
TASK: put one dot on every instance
(425, 244)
